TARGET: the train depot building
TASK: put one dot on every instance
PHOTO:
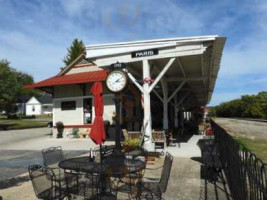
(169, 79)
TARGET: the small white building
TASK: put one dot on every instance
(38, 106)
(20, 106)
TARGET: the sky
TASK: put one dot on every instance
(35, 34)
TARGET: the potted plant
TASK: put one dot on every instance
(130, 144)
(60, 129)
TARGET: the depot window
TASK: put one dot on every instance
(68, 105)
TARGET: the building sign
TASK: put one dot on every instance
(117, 65)
(144, 53)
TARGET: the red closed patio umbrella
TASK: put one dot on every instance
(98, 134)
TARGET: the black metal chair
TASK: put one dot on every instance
(156, 187)
(128, 186)
(44, 184)
(52, 156)
(86, 185)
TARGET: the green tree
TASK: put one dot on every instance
(249, 106)
(76, 49)
(8, 85)
(11, 85)
(25, 79)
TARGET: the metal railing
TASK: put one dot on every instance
(245, 173)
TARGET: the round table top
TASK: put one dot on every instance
(114, 166)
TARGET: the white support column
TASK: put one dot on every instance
(177, 90)
(183, 98)
(161, 74)
(135, 82)
(175, 112)
(157, 94)
(182, 118)
(165, 104)
(148, 143)
(187, 115)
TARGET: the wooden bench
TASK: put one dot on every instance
(134, 135)
(159, 138)
(131, 135)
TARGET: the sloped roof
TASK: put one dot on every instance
(46, 99)
(23, 99)
(85, 77)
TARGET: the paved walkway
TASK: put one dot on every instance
(186, 149)
(185, 181)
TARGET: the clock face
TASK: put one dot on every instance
(116, 81)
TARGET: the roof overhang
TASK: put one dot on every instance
(197, 61)
(78, 78)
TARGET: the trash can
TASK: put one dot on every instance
(206, 146)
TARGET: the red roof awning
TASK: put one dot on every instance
(85, 77)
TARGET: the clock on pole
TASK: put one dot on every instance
(117, 79)
(116, 82)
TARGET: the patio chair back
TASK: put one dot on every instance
(134, 135)
(42, 183)
(166, 171)
(125, 134)
(159, 138)
(52, 156)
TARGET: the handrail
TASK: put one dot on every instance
(246, 174)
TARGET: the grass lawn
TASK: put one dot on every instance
(11, 124)
(257, 146)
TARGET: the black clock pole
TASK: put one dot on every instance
(117, 101)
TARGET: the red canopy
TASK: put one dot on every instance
(97, 133)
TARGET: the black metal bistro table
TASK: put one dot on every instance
(110, 167)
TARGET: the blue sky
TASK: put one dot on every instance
(34, 34)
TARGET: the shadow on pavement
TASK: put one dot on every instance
(13, 182)
(213, 185)
(14, 163)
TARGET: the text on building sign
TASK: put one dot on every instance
(144, 53)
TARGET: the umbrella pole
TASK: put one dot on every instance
(100, 150)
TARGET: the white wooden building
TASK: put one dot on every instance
(172, 75)
(40, 105)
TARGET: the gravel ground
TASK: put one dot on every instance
(250, 129)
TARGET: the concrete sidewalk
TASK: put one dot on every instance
(16, 155)
(186, 149)
(184, 183)
(38, 144)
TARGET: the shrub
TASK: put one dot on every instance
(60, 129)
(130, 144)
